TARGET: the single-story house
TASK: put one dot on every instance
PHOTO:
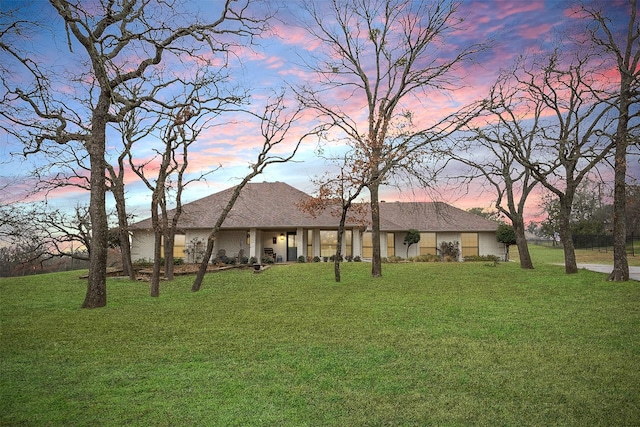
(266, 221)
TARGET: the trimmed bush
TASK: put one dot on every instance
(472, 258)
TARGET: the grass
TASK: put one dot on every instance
(549, 255)
(427, 344)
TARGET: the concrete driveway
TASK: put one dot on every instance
(634, 272)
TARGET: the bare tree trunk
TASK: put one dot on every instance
(521, 242)
(155, 275)
(620, 264)
(169, 244)
(96, 295)
(570, 265)
(197, 283)
(376, 262)
(157, 241)
(123, 225)
(336, 263)
(203, 265)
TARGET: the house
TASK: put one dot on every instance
(266, 221)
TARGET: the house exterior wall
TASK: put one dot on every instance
(487, 244)
(142, 246)
(279, 248)
(234, 241)
(490, 246)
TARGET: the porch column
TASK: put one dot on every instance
(357, 242)
(383, 244)
(254, 244)
(301, 242)
(316, 242)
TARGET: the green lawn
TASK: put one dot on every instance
(427, 344)
(547, 254)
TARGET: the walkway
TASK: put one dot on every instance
(634, 272)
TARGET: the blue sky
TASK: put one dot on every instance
(518, 27)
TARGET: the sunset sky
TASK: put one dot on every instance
(518, 27)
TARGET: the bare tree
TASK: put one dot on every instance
(488, 152)
(37, 232)
(568, 123)
(378, 57)
(169, 173)
(275, 123)
(122, 43)
(337, 195)
(619, 44)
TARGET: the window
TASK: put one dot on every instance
(310, 243)
(367, 245)
(469, 244)
(328, 242)
(179, 243)
(348, 238)
(391, 244)
(428, 244)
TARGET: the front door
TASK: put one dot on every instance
(292, 247)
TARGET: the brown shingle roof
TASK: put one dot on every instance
(430, 216)
(260, 205)
(274, 205)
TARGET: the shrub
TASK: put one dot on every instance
(253, 260)
(325, 258)
(244, 260)
(394, 259)
(333, 258)
(267, 260)
(316, 259)
(357, 259)
(301, 258)
(450, 251)
(178, 261)
(491, 258)
(426, 258)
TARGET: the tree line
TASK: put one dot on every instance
(149, 70)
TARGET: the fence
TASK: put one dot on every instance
(595, 242)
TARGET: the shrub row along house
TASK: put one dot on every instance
(267, 222)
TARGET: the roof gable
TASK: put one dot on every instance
(260, 205)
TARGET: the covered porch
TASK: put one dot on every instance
(281, 245)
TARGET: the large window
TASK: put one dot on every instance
(391, 244)
(348, 238)
(367, 245)
(469, 244)
(178, 246)
(328, 242)
(428, 244)
(310, 243)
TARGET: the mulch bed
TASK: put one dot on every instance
(144, 274)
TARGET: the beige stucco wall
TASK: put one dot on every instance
(142, 246)
(234, 241)
(488, 245)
